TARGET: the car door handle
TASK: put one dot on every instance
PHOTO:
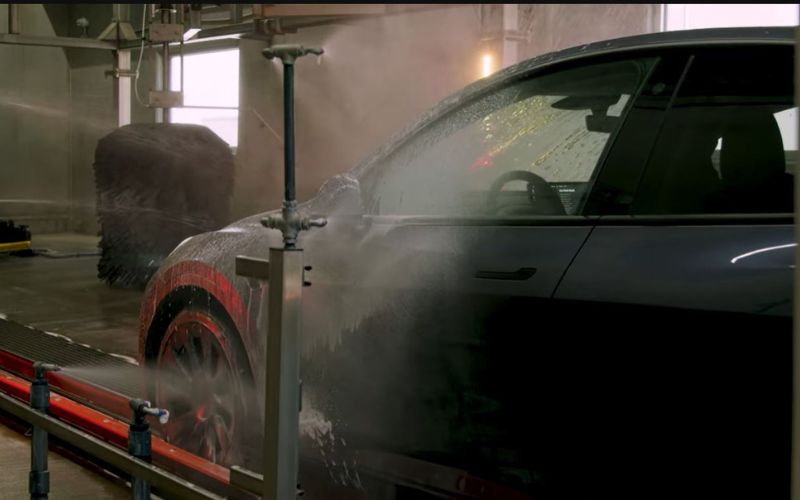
(520, 274)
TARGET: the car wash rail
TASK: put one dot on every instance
(164, 481)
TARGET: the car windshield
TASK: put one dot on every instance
(543, 136)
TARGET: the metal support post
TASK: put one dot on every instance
(170, 485)
(285, 275)
(124, 87)
(139, 441)
(165, 61)
(13, 19)
(39, 478)
(159, 77)
(281, 424)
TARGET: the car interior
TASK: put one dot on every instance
(718, 160)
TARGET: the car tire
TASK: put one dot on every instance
(202, 376)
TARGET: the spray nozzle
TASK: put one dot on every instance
(40, 368)
(142, 408)
(288, 53)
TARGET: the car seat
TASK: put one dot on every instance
(681, 173)
(753, 165)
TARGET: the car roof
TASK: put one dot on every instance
(779, 35)
(686, 38)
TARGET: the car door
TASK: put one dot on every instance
(686, 284)
(469, 227)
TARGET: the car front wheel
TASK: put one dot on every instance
(202, 379)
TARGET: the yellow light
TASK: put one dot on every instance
(487, 64)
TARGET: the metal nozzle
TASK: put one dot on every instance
(40, 368)
(142, 408)
(288, 53)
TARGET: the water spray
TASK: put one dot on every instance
(39, 478)
(139, 440)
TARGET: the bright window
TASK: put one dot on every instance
(693, 16)
(210, 92)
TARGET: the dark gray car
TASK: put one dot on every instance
(570, 280)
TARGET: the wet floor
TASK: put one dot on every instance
(67, 479)
(64, 296)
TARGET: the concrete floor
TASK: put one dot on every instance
(67, 479)
(64, 296)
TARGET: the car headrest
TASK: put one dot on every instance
(752, 149)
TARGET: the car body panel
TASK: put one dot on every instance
(727, 268)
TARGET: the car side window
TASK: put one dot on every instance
(728, 139)
(529, 148)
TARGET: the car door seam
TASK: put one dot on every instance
(569, 265)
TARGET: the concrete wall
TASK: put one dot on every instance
(54, 105)
(93, 109)
(560, 26)
(34, 128)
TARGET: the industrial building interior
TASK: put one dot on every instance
(397, 251)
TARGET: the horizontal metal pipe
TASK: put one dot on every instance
(67, 42)
(166, 482)
(247, 479)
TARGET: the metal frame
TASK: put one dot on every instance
(166, 482)
(281, 418)
(102, 424)
(65, 42)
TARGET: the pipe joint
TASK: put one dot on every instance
(289, 53)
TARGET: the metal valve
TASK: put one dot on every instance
(291, 222)
(142, 408)
(139, 440)
(40, 369)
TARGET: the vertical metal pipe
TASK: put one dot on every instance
(165, 61)
(13, 18)
(122, 12)
(180, 14)
(181, 49)
(288, 132)
(39, 477)
(165, 65)
(139, 446)
(123, 89)
(159, 79)
(139, 441)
